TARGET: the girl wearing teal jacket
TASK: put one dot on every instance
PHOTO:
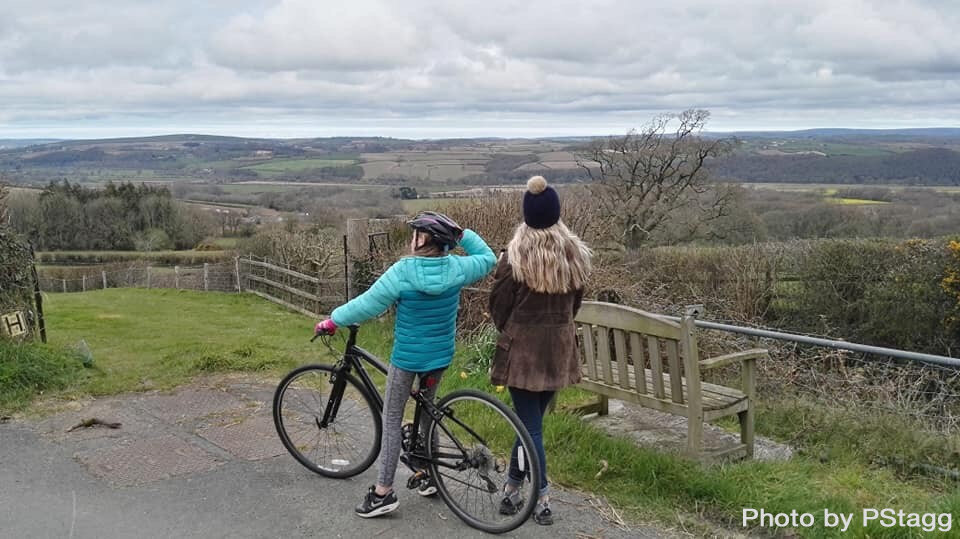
(425, 288)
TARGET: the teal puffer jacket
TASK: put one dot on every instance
(426, 291)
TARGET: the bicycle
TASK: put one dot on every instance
(329, 418)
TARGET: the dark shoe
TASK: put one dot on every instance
(428, 487)
(542, 515)
(374, 506)
(511, 504)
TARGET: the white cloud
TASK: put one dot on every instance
(361, 35)
(560, 63)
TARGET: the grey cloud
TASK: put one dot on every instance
(549, 62)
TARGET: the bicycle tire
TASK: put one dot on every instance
(488, 500)
(336, 466)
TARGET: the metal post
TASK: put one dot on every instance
(236, 261)
(176, 277)
(206, 273)
(346, 271)
(104, 275)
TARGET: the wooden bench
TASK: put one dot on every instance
(635, 356)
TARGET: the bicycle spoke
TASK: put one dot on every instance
(348, 443)
(479, 442)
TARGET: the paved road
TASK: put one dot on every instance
(203, 462)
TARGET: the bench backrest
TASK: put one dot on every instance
(611, 337)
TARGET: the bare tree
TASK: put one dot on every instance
(655, 178)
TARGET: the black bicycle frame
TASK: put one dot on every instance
(353, 360)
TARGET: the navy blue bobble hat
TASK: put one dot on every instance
(541, 204)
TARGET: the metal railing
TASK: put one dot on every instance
(943, 361)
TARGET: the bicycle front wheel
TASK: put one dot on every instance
(327, 421)
(473, 444)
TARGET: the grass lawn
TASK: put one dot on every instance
(161, 338)
(143, 339)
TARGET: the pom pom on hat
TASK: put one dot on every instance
(541, 204)
(536, 184)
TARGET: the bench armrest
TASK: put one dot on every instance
(736, 357)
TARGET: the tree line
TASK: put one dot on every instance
(121, 216)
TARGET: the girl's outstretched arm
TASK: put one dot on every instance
(377, 299)
(479, 260)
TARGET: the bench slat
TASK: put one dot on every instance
(714, 396)
(710, 413)
(656, 366)
(622, 317)
(603, 353)
(636, 349)
(675, 374)
(589, 349)
(620, 347)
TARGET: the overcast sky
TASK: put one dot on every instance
(428, 69)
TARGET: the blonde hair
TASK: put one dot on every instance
(549, 260)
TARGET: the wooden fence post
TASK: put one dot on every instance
(64, 284)
(83, 283)
(176, 277)
(37, 296)
(206, 273)
(148, 276)
(104, 275)
(236, 261)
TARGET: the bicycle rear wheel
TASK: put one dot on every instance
(470, 460)
(349, 442)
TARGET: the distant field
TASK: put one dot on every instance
(829, 148)
(854, 201)
(421, 204)
(276, 167)
(833, 188)
(428, 170)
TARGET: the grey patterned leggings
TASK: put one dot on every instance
(399, 384)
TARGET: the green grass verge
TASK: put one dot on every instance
(29, 369)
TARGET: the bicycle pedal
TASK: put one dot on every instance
(414, 480)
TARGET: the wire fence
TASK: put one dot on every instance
(281, 284)
(220, 277)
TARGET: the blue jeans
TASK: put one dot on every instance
(530, 406)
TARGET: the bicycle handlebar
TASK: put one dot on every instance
(351, 340)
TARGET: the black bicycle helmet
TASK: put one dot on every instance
(445, 231)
